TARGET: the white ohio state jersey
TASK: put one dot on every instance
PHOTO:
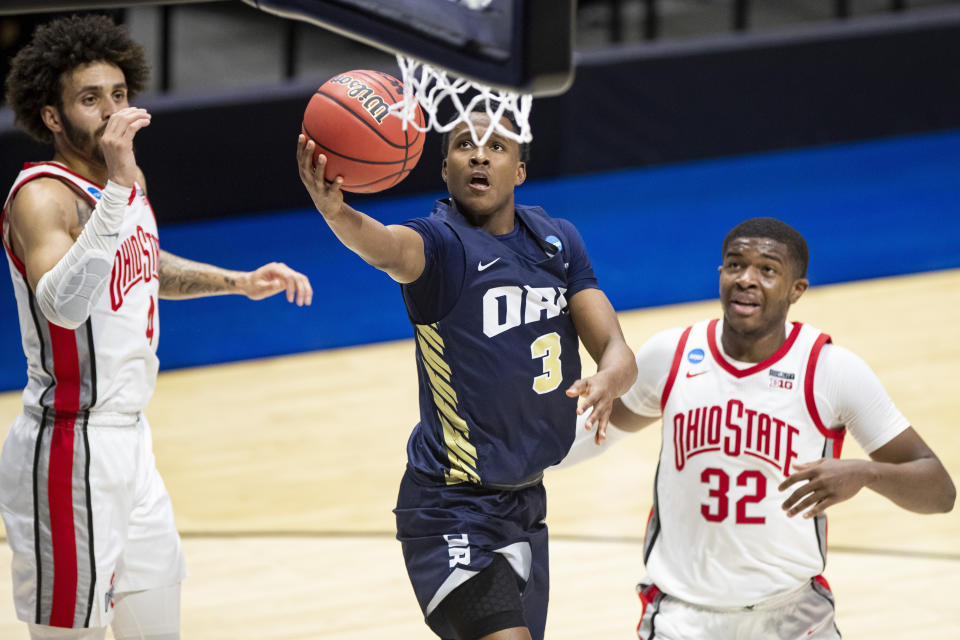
(108, 364)
(717, 535)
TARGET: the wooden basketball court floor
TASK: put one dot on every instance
(283, 473)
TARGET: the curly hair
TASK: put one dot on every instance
(57, 48)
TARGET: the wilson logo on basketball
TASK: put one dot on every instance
(349, 120)
(137, 260)
(372, 103)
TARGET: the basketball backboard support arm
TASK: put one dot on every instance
(522, 45)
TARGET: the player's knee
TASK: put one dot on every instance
(485, 604)
(149, 636)
(153, 614)
(43, 632)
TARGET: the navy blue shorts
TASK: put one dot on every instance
(450, 533)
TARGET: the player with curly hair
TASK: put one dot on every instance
(87, 516)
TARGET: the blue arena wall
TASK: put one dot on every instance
(870, 209)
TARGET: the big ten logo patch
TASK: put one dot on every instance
(458, 546)
(781, 379)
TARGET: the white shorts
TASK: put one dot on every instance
(807, 613)
(87, 517)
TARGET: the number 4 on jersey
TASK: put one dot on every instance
(150, 314)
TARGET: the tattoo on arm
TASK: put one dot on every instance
(182, 278)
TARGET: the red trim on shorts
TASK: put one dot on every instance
(823, 582)
(647, 596)
(66, 369)
(677, 358)
(835, 434)
(646, 526)
(760, 366)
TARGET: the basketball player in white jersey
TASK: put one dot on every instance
(754, 412)
(87, 516)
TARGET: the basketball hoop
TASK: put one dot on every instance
(430, 86)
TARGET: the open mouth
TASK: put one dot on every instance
(479, 182)
(744, 307)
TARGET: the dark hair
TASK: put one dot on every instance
(775, 230)
(480, 108)
(58, 47)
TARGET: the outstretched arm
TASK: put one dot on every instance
(600, 332)
(181, 278)
(626, 420)
(394, 249)
(904, 470)
(587, 444)
(653, 366)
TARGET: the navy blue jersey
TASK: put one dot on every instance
(494, 366)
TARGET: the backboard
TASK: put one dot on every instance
(523, 45)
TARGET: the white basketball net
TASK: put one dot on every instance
(430, 86)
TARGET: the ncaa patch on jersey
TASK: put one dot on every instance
(695, 356)
(94, 192)
(555, 241)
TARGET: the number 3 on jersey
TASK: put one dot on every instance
(547, 347)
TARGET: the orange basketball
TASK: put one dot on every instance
(347, 119)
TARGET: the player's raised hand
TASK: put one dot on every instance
(275, 277)
(598, 393)
(327, 196)
(824, 483)
(116, 143)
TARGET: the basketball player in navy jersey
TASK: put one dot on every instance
(498, 294)
(754, 411)
(87, 515)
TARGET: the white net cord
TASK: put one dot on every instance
(429, 86)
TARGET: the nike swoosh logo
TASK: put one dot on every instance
(481, 266)
(694, 375)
